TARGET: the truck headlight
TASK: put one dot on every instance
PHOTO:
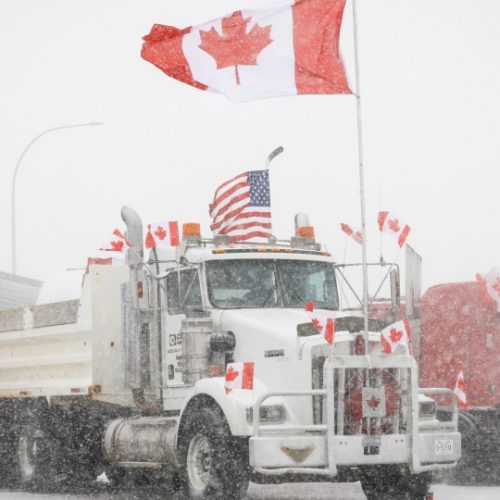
(268, 414)
(427, 408)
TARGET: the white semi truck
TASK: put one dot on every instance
(130, 377)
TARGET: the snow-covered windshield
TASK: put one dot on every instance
(271, 283)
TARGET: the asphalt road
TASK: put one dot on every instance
(296, 491)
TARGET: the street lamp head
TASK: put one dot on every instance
(95, 124)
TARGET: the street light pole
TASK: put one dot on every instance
(13, 197)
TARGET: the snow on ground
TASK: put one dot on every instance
(301, 491)
(448, 492)
(289, 491)
(353, 491)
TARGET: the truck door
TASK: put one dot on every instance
(183, 299)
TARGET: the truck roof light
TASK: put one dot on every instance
(301, 219)
(305, 231)
(191, 230)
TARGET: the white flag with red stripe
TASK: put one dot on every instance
(394, 335)
(289, 48)
(391, 224)
(106, 261)
(489, 286)
(117, 243)
(324, 324)
(239, 376)
(355, 234)
(162, 235)
(460, 391)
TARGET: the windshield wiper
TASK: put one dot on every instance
(272, 291)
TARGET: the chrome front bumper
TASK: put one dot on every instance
(316, 449)
(309, 453)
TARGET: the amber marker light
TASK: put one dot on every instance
(190, 229)
(305, 231)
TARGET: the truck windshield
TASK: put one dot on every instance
(260, 283)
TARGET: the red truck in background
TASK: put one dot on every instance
(460, 330)
(454, 327)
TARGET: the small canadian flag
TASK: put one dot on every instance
(163, 234)
(460, 391)
(489, 286)
(324, 324)
(391, 224)
(394, 335)
(239, 376)
(355, 234)
(117, 243)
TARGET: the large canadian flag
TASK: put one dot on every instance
(489, 286)
(394, 335)
(391, 224)
(288, 48)
(239, 376)
(460, 391)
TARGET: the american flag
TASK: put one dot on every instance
(242, 207)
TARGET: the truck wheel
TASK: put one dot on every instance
(32, 456)
(396, 486)
(212, 464)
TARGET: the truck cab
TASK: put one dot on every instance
(335, 410)
(132, 376)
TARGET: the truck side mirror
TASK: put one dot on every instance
(395, 289)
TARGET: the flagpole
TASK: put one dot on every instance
(357, 94)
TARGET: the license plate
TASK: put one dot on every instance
(370, 441)
(443, 447)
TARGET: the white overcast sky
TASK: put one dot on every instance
(430, 81)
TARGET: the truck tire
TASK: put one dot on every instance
(212, 464)
(32, 456)
(393, 485)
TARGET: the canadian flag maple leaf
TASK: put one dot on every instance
(316, 323)
(231, 374)
(161, 233)
(117, 246)
(396, 335)
(235, 46)
(394, 225)
(373, 402)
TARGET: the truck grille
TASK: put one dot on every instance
(368, 401)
